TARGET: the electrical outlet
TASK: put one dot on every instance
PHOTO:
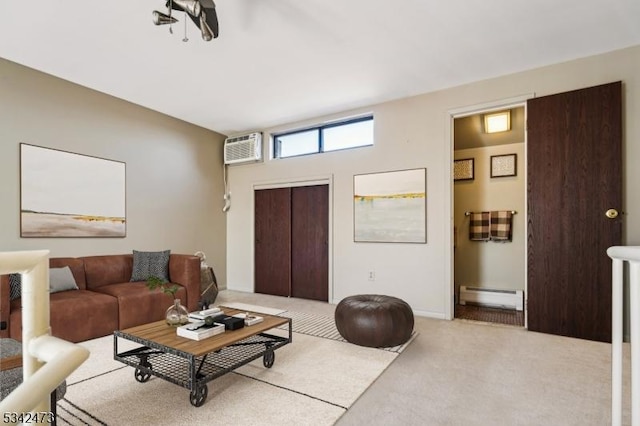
(372, 275)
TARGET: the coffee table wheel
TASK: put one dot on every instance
(268, 358)
(142, 376)
(198, 396)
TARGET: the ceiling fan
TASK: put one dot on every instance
(201, 12)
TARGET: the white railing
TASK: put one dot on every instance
(46, 360)
(620, 255)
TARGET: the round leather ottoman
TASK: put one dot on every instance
(374, 320)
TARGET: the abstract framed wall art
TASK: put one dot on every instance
(64, 194)
(390, 207)
(463, 169)
(503, 165)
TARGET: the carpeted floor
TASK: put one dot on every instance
(305, 386)
(453, 373)
(493, 315)
(478, 373)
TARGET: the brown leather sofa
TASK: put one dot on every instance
(105, 300)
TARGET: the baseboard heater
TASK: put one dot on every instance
(506, 299)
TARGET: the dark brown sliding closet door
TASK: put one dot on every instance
(291, 242)
(309, 244)
(273, 241)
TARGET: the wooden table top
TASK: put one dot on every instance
(10, 354)
(10, 362)
(161, 333)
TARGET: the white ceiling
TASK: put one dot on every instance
(279, 61)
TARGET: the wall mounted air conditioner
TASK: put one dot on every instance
(243, 149)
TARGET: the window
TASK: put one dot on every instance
(329, 137)
(298, 143)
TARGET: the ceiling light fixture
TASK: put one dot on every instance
(202, 13)
(497, 122)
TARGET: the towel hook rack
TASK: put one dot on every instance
(469, 213)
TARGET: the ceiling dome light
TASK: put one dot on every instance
(497, 122)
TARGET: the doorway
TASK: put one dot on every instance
(489, 194)
(573, 209)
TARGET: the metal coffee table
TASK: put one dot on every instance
(191, 363)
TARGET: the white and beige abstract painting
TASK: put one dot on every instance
(390, 207)
(63, 194)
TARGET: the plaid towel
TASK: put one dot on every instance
(479, 226)
(501, 225)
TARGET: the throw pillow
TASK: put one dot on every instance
(150, 264)
(15, 286)
(61, 279)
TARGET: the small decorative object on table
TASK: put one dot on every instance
(208, 283)
(176, 314)
(249, 318)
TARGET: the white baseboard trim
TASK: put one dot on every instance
(429, 314)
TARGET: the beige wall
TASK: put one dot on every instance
(174, 182)
(490, 264)
(416, 132)
(173, 169)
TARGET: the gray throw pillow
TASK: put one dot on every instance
(61, 279)
(15, 286)
(150, 264)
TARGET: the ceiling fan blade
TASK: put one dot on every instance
(210, 17)
(160, 18)
(206, 32)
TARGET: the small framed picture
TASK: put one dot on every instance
(504, 165)
(463, 169)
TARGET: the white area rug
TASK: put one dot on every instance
(312, 382)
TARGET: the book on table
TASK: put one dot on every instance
(201, 315)
(197, 330)
(249, 319)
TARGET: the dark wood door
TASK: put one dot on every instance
(291, 242)
(309, 244)
(272, 256)
(574, 176)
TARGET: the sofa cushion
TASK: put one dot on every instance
(75, 316)
(107, 269)
(139, 305)
(77, 268)
(61, 279)
(150, 263)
